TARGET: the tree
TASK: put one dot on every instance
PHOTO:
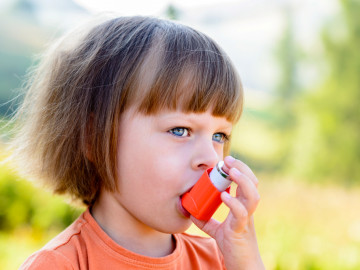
(172, 12)
(287, 89)
(335, 106)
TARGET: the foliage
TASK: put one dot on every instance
(23, 205)
(282, 110)
(287, 56)
(172, 12)
(29, 216)
(333, 110)
(256, 143)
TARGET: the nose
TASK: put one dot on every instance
(205, 155)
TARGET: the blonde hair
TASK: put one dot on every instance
(80, 88)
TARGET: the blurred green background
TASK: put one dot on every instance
(303, 142)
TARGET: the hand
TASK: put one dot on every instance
(236, 236)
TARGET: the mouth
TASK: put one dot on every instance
(181, 209)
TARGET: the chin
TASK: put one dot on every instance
(177, 227)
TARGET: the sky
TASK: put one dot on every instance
(146, 7)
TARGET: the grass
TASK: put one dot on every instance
(303, 226)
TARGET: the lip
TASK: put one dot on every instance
(181, 209)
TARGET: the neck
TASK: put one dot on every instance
(127, 231)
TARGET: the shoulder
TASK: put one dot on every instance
(44, 258)
(61, 252)
(73, 233)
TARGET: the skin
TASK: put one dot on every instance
(160, 157)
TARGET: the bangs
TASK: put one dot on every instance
(192, 74)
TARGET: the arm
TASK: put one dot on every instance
(236, 236)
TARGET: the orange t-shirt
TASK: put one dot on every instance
(84, 245)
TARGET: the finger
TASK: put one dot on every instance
(208, 227)
(241, 166)
(246, 191)
(231, 162)
(238, 211)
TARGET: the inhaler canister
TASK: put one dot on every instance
(204, 198)
(219, 178)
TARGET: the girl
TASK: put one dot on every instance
(126, 117)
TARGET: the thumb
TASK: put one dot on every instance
(210, 227)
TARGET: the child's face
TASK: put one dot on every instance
(160, 157)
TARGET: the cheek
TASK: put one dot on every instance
(151, 163)
(220, 149)
(143, 168)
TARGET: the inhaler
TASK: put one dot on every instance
(204, 198)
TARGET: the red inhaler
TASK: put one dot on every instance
(204, 198)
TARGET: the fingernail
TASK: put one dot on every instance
(229, 159)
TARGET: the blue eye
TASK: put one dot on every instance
(179, 132)
(220, 137)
